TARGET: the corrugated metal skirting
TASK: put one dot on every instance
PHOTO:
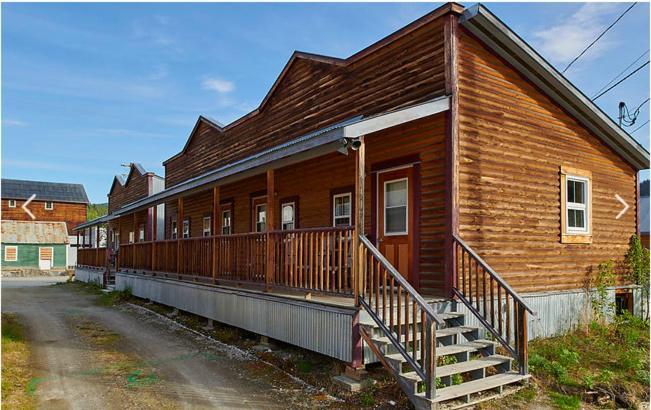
(313, 326)
(89, 276)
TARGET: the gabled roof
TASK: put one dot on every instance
(329, 139)
(15, 232)
(119, 179)
(317, 58)
(134, 166)
(508, 45)
(45, 191)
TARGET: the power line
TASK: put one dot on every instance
(626, 118)
(621, 81)
(645, 123)
(622, 72)
(600, 35)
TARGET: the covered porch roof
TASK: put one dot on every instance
(97, 221)
(333, 138)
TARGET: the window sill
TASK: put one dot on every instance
(576, 238)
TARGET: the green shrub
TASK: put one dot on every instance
(568, 358)
(602, 305)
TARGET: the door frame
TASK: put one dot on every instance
(395, 164)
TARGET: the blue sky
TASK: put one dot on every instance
(86, 87)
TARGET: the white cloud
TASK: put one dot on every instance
(219, 85)
(563, 42)
(14, 123)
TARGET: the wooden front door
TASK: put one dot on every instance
(395, 219)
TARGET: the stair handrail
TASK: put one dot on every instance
(427, 368)
(494, 274)
(520, 308)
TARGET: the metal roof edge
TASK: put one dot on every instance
(505, 42)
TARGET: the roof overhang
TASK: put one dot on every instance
(508, 45)
(97, 221)
(315, 144)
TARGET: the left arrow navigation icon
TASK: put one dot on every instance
(27, 211)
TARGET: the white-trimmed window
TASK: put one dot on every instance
(49, 205)
(174, 229)
(342, 209)
(132, 236)
(226, 222)
(260, 217)
(396, 207)
(12, 203)
(576, 204)
(11, 253)
(141, 233)
(288, 216)
(207, 226)
(186, 228)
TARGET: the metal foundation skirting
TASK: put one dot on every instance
(87, 275)
(314, 326)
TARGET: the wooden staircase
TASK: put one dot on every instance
(438, 360)
(468, 369)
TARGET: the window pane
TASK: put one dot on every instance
(575, 218)
(345, 221)
(396, 220)
(576, 192)
(396, 193)
(288, 213)
(342, 205)
(261, 213)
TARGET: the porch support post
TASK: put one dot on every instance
(214, 229)
(154, 231)
(358, 274)
(97, 262)
(83, 239)
(179, 234)
(451, 154)
(360, 173)
(271, 219)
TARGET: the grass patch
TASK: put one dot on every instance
(115, 297)
(565, 402)
(603, 364)
(16, 372)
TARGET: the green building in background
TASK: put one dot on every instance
(34, 245)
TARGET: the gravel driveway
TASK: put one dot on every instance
(86, 356)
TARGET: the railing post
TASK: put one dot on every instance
(360, 174)
(213, 230)
(179, 234)
(430, 358)
(523, 348)
(271, 219)
(97, 263)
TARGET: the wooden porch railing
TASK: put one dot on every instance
(400, 312)
(95, 257)
(498, 307)
(241, 257)
(317, 259)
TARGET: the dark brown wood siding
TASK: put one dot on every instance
(512, 142)
(70, 213)
(314, 94)
(136, 187)
(313, 181)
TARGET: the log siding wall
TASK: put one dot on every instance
(512, 142)
(315, 93)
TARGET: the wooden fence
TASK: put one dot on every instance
(95, 257)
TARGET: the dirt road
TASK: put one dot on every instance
(87, 356)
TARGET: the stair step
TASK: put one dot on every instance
(462, 367)
(444, 332)
(476, 386)
(469, 347)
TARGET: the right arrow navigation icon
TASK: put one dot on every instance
(626, 206)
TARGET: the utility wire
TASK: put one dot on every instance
(622, 72)
(645, 123)
(621, 81)
(600, 35)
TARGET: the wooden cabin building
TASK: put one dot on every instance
(443, 185)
